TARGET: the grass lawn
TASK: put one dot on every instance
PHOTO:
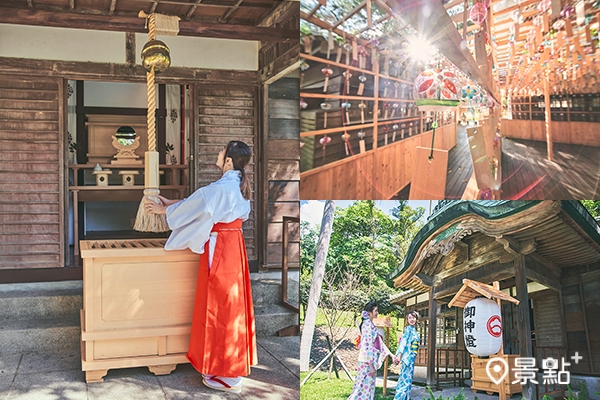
(319, 387)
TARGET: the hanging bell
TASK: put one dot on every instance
(156, 54)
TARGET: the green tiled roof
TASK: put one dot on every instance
(448, 210)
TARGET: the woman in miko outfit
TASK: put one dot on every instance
(371, 356)
(209, 222)
(405, 356)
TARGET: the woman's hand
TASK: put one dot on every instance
(396, 360)
(373, 371)
(166, 202)
(155, 208)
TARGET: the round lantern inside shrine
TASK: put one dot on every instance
(482, 327)
(435, 89)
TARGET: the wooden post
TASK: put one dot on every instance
(431, 338)
(502, 385)
(385, 363)
(524, 319)
(375, 103)
(548, 114)
(585, 323)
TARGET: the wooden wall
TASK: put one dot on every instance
(283, 168)
(581, 303)
(32, 183)
(582, 133)
(546, 317)
(227, 112)
(375, 174)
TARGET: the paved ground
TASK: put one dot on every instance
(54, 376)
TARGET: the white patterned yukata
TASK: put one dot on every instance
(372, 352)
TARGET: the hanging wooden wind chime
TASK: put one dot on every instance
(156, 58)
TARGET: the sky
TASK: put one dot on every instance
(312, 210)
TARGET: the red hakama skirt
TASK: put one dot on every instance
(223, 338)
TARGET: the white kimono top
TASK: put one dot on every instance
(192, 219)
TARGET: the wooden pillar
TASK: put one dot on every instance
(585, 323)
(548, 115)
(525, 345)
(431, 328)
(375, 104)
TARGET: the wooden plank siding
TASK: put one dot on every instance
(283, 169)
(225, 113)
(546, 315)
(375, 174)
(568, 132)
(31, 172)
(224, 106)
(581, 299)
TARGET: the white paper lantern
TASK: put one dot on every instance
(482, 327)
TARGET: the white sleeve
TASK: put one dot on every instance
(191, 221)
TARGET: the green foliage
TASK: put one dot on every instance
(432, 396)
(593, 207)
(583, 391)
(366, 243)
(393, 340)
(459, 396)
(571, 395)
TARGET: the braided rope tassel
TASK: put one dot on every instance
(151, 110)
(146, 222)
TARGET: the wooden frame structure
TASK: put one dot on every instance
(517, 50)
(540, 252)
(224, 105)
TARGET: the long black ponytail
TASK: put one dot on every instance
(240, 154)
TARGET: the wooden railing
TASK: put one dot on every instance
(452, 365)
(542, 353)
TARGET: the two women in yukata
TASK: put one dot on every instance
(209, 222)
(373, 352)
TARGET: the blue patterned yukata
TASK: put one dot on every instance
(372, 352)
(409, 344)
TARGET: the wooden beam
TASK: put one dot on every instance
(537, 274)
(113, 5)
(484, 274)
(72, 4)
(26, 16)
(524, 321)
(130, 48)
(427, 280)
(351, 14)
(121, 72)
(230, 11)
(510, 245)
(190, 12)
(30, 3)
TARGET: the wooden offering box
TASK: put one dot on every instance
(481, 380)
(137, 306)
